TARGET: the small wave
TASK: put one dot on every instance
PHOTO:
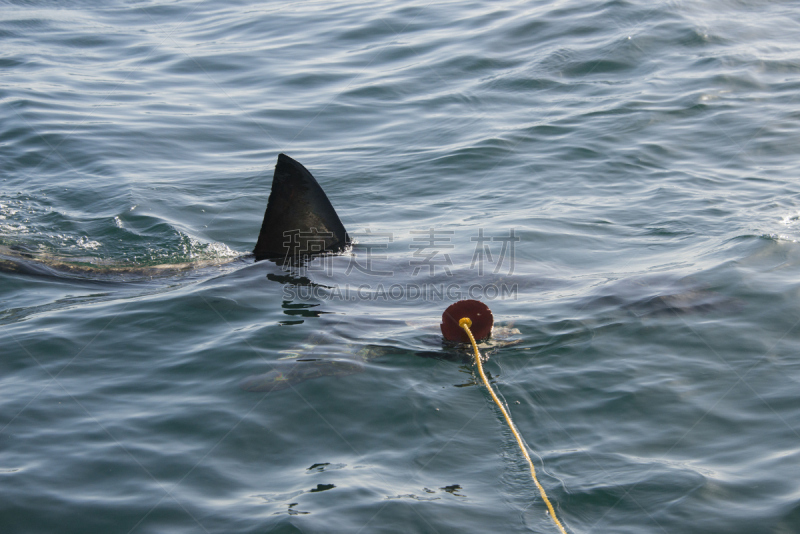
(779, 237)
(789, 230)
(123, 241)
(87, 244)
(221, 251)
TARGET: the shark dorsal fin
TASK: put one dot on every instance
(300, 220)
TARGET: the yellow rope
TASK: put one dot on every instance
(465, 323)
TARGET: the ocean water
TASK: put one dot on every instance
(617, 180)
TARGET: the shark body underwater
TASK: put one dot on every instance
(300, 223)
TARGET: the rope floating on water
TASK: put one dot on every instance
(465, 323)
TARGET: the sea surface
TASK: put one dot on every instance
(617, 180)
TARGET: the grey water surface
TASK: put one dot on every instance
(616, 179)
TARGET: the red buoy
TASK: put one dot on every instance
(478, 312)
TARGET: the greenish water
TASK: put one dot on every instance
(644, 155)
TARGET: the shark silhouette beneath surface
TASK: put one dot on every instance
(300, 223)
